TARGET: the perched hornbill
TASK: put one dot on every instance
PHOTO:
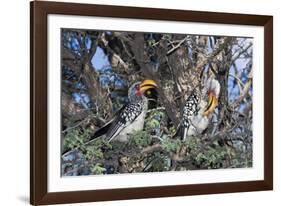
(131, 116)
(197, 109)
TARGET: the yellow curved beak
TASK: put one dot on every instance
(212, 103)
(147, 84)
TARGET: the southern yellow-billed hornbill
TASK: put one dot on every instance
(131, 116)
(197, 109)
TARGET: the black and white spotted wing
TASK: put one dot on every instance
(126, 116)
(190, 108)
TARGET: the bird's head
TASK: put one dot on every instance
(140, 89)
(212, 90)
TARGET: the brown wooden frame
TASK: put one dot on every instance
(38, 102)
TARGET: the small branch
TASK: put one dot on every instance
(235, 57)
(176, 47)
(150, 149)
(76, 125)
(244, 93)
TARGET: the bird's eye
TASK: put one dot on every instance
(148, 92)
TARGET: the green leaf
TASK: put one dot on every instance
(97, 169)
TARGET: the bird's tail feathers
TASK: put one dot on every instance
(101, 131)
(114, 131)
(181, 133)
(178, 132)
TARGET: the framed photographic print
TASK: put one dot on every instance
(133, 102)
